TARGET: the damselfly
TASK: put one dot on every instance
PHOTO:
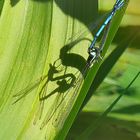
(94, 52)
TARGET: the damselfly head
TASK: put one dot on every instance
(94, 54)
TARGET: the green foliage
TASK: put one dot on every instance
(39, 97)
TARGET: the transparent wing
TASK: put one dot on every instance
(104, 37)
(84, 32)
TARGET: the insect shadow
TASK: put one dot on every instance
(67, 81)
(63, 81)
(57, 73)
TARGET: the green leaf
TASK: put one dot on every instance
(38, 69)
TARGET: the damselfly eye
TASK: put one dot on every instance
(93, 54)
